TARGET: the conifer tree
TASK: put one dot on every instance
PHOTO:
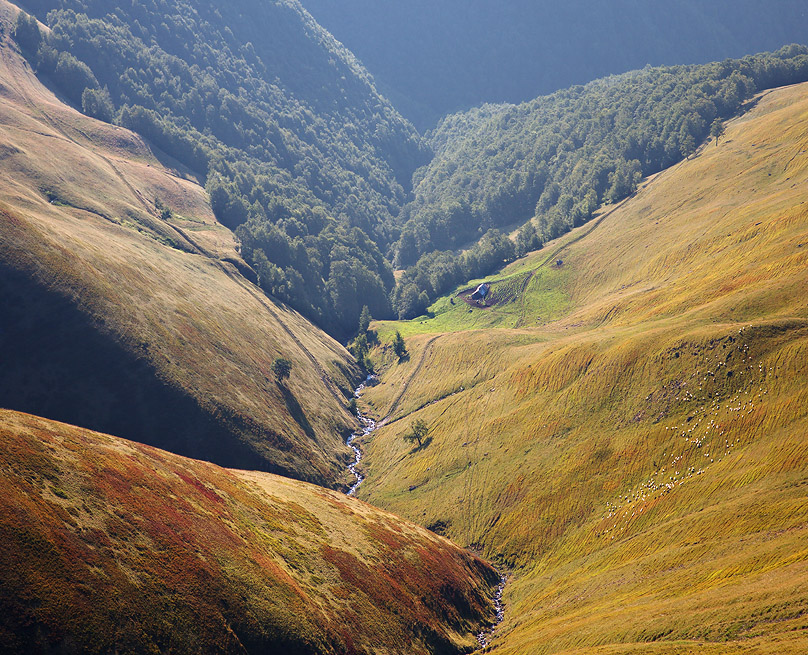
(364, 320)
(398, 346)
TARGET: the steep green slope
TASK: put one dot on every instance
(120, 317)
(559, 157)
(433, 58)
(294, 139)
(111, 546)
(624, 422)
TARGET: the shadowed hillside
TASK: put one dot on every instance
(127, 310)
(112, 546)
(432, 58)
(624, 422)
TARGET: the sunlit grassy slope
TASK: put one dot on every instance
(117, 319)
(113, 546)
(629, 433)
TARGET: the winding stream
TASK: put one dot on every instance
(484, 638)
(368, 426)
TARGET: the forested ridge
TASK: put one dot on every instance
(551, 162)
(299, 151)
(313, 168)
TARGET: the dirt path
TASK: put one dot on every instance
(20, 83)
(406, 386)
(592, 226)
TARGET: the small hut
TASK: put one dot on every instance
(481, 292)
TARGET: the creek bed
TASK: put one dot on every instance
(368, 426)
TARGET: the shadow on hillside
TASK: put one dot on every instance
(296, 411)
(422, 445)
(60, 363)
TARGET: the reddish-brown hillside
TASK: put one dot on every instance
(113, 546)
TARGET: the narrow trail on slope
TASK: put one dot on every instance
(593, 225)
(236, 277)
(421, 360)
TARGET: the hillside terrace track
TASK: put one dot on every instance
(593, 226)
(600, 219)
(236, 277)
(137, 194)
(422, 359)
(265, 301)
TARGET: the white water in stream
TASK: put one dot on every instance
(368, 426)
(485, 637)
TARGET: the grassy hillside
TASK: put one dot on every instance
(112, 546)
(623, 425)
(125, 309)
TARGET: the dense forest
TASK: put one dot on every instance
(559, 157)
(299, 151)
(327, 187)
(432, 58)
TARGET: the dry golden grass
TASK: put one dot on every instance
(78, 222)
(639, 462)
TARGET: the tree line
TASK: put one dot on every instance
(299, 152)
(557, 158)
(550, 163)
(318, 175)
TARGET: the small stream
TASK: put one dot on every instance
(484, 638)
(368, 426)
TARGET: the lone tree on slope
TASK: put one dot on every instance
(398, 345)
(717, 130)
(281, 368)
(418, 431)
(364, 320)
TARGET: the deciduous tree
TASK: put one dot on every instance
(281, 368)
(417, 433)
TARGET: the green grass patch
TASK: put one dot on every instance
(526, 298)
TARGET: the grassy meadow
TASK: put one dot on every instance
(625, 433)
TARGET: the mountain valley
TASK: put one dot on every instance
(603, 451)
(625, 429)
